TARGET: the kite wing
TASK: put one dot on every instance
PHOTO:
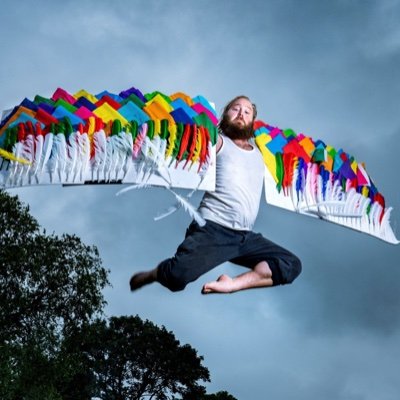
(315, 179)
(130, 137)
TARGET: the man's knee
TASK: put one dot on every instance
(294, 269)
(176, 284)
(171, 277)
(285, 270)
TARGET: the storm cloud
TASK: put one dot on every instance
(327, 69)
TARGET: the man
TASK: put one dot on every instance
(230, 212)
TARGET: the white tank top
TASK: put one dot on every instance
(238, 188)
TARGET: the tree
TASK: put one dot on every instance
(54, 344)
(222, 395)
(135, 359)
(50, 287)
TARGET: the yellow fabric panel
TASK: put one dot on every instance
(269, 159)
(157, 111)
(171, 140)
(161, 101)
(91, 125)
(197, 149)
(107, 113)
(365, 191)
(180, 95)
(87, 95)
(157, 127)
(354, 166)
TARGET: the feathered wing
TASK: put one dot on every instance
(169, 141)
(314, 179)
(128, 138)
(131, 138)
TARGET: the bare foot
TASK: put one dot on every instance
(260, 276)
(143, 278)
(224, 284)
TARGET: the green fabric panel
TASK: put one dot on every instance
(40, 99)
(134, 99)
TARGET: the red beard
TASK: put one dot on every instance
(235, 131)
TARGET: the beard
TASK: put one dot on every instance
(235, 131)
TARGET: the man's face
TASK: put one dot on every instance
(237, 123)
(241, 113)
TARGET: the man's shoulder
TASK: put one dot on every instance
(220, 142)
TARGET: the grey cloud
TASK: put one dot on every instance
(327, 69)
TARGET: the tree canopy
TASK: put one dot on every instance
(56, 344)
(50, 286)
(135, 359)
(47, 283)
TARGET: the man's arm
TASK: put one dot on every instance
(219, 143)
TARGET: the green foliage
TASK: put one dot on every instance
(135, 359)
(223, 395)
(54, 344)
(50, 287)
(48, 283)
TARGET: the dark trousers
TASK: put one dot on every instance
(206, 247)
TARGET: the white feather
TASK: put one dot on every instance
(123, 147)
(128, 159)
(58, 157)
(83, 154)
(156, 160)
(189, 208)
(170, 210)
(62, 152)
(17, 151)
(47, 148)
(28, 153)
(38, 155)
(133, 187)
(110, 161)
(100, 154)
(72, 156)
(52, 161)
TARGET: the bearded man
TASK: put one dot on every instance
(230, 212)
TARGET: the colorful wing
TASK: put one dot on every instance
(312, 178)
(131, 137)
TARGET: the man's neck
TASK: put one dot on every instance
(243, 144)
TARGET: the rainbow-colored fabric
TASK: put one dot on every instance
(310, 177)
(100, 136)
(169, 140)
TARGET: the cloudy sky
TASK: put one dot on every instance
(329, 69)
